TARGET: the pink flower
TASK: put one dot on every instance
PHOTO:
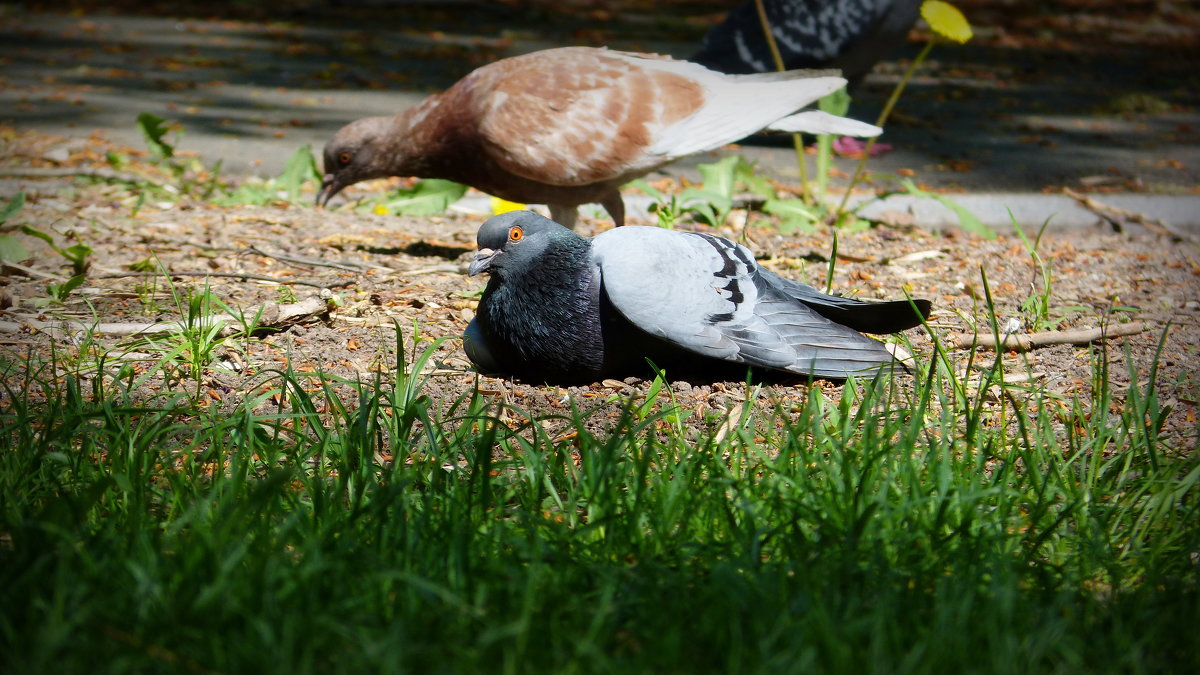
(847, 146)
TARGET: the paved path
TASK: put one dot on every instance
(1005, 119)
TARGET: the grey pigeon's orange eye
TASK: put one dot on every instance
(344, 158)
(515, 234)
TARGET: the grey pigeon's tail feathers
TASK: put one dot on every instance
(822, 348)
(880, 318)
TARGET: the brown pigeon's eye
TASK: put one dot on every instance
(515, 234)
(344, 158)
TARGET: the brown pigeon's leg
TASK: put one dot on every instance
(564, 215)
(615, 207)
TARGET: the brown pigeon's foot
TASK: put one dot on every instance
(564, 215)
(615, 208)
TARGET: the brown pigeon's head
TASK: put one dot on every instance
(354, 154)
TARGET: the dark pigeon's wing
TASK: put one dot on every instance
(851, 35)
(808, 33)
(708, 295)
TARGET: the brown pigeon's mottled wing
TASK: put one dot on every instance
(577, 116)
(707, 295)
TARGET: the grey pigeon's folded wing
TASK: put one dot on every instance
(707, 295)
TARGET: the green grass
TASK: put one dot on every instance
(363, 527)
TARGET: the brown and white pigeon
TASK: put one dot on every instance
(565, 309)
(570, 126)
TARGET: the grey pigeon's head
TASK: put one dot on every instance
(355, 153)
(513, 240)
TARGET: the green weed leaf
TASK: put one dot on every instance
(647, 406)
(12, 208)
(642, 185)
(426, 198)
(154, 129)
(77, 252)
(754, 183)
(147, 264)
(837, 103)
(301, 167)
(710, 206)
(78, 255)
(116, 160)
(59, 292)
(719, 176)
(713, 202)
(967, 220)
(40, 235)
(795, 215)
(12, 250)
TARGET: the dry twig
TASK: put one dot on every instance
(1118, 217)
(1023, 343)
(269, 314)
(356, 268)
(69, 172)
(244, 276)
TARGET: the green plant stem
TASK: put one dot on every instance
(883, 116)
(823, 157)
(832, 263)
(797, 139)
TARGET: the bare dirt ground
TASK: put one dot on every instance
(390, 272)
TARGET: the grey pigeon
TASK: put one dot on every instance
(570, 126)
(562, 308)
(850, 35)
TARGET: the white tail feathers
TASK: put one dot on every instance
(735, 107)
(818, 122)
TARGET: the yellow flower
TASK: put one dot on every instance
(380, 210)
(504, 206)
(945, 20)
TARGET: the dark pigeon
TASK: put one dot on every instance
(570, 126)
(565, 309)
(850, 35)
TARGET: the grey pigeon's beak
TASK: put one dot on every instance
(329, 187)
(482, 261)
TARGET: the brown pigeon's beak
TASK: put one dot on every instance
(329, 187)
(482, 261)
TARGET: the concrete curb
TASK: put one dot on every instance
(998, 210)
